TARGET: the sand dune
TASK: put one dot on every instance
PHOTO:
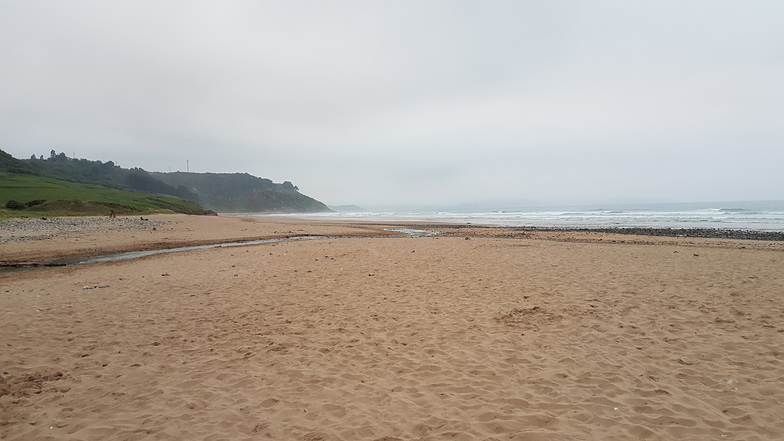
(399, 339)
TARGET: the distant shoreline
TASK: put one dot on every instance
(765, 220)
(36, 241)
(707, 233)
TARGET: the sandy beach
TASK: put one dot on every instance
(474, 334)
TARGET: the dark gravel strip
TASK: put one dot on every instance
(711, 233)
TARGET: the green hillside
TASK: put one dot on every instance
(107, 174)
(222, 192)
(243, 193)
(36, 195)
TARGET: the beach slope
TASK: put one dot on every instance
(390, 338)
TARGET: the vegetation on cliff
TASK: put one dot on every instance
(23, 182)
(25, 194)
(243, 193)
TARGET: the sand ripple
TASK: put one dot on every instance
(400, 339)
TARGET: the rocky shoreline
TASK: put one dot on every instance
(706, 233)
(21, 230)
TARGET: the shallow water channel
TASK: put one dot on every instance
(406, 232)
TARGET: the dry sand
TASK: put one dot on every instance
(392, 338)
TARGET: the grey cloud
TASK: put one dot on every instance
(387, 102)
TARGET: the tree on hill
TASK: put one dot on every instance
(12, 165)
(287, 185)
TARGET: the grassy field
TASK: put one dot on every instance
(65, 198)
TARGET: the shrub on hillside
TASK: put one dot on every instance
(14, 205)
(35, 202)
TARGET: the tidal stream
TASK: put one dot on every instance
(406, 232)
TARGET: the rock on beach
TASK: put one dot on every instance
(20, 230)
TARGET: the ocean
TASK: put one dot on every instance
(758, 216)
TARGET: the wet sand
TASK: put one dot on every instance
(508, 335)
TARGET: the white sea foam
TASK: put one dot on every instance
(762, 216)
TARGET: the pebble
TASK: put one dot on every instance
(21, 230)
(714, 233)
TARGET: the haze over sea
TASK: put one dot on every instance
(745, 215)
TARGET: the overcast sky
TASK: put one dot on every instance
(410, 102)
